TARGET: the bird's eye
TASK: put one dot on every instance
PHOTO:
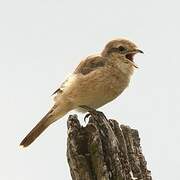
(121, 48)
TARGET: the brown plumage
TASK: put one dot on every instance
(90, 64)
(96, 81)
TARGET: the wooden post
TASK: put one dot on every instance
(103, 150)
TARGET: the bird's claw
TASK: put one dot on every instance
(92, 112)
(86, 116)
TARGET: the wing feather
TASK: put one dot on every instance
(90, 64)
(86, 66)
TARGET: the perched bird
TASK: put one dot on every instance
(96, 81)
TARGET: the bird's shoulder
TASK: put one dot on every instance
(90, 64)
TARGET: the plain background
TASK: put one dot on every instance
(42, 41)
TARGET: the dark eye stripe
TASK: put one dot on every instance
(121, 48)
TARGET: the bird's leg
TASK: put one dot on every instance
(92, 112)
(89, 109)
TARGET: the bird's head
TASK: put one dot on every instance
(123, 50)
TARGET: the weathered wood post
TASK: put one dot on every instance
(103, 150)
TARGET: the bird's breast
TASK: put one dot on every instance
(117, 82)
(96, 88)
(102, 87)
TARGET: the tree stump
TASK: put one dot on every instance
(103, 150)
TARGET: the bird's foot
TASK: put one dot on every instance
(86, 116)
(92, 112)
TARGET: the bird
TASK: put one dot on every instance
(97, 80)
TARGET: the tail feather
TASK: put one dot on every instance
(48, 119)
(54, 114)
(35, 132)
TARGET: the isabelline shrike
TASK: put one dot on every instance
(96, 81)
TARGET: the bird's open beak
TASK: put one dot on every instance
(130, 56)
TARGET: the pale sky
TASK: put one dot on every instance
(41, 42)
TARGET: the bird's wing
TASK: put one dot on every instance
(86, 66)
(90, 64)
